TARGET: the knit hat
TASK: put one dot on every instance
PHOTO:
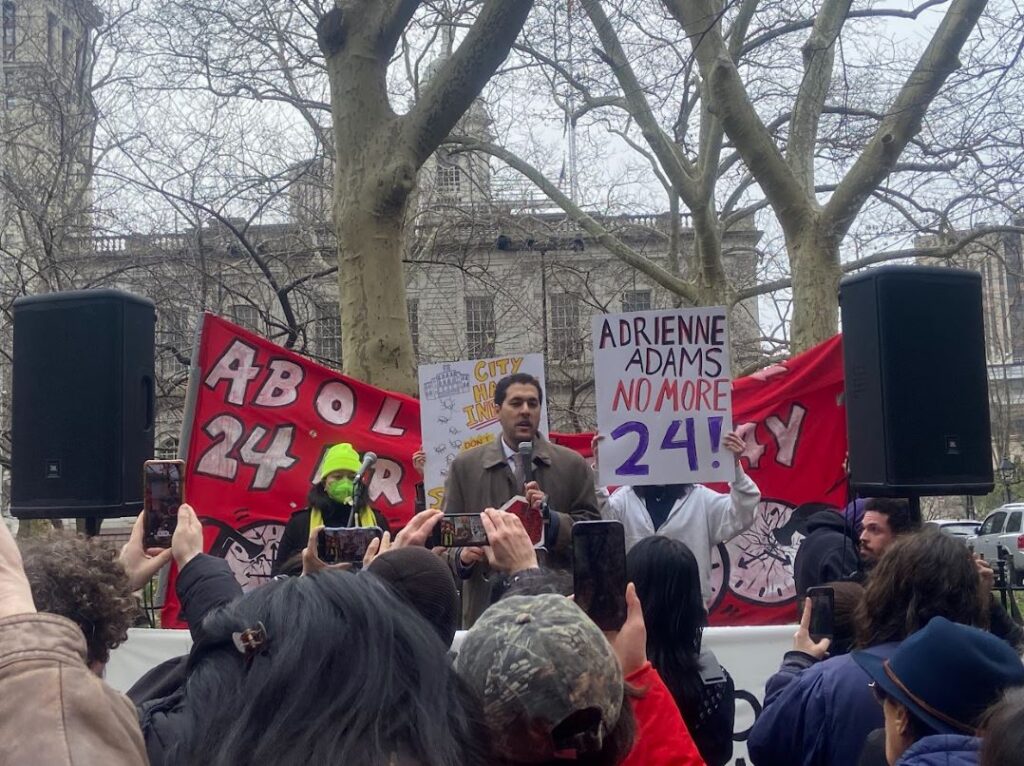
(536, 662)
(426, 582)
(946, 674)
(340, 457)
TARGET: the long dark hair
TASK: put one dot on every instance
(350, 675)
(667, 581)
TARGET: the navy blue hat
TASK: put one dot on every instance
(946, 674)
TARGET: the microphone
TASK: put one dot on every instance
(526, 457)
(369, 461)
(359, 489)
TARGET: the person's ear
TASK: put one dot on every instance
(902, 716)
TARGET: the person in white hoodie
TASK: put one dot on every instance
(691, 513)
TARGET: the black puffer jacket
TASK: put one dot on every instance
(296, 531)
(827, 554)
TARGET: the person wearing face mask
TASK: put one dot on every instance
(330, 505)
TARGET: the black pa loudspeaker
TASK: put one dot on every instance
(83, 404)
(916, 382)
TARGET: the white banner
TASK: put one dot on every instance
(751, 655)
(664, 396)
(457, 410)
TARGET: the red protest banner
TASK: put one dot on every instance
(263, 418)
(264, 415)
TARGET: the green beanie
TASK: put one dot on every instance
(340, 457)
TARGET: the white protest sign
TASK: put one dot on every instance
(457, 410)
(664, 396)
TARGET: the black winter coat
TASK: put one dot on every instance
(296, 531)
(205, 584)
(827, 554)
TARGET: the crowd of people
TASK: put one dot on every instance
(365, 665)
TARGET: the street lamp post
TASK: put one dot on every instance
(1008, 473)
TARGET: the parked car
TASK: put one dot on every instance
(1003, 527)
(959, 528)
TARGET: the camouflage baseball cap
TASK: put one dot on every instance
(550, 682)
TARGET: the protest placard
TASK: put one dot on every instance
(457, 410)
(664, 396)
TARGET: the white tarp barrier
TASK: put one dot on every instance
(751, 655)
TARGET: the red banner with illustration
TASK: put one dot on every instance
(264, 415)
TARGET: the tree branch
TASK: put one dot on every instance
(903, 119)
(819, 56)
(938, 251)
(731, 104)
(796, 26)
(672, 160)
(396, 19)
(614, 245)
(460, 79)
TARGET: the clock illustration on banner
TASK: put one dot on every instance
(719, 574)
(760, 565)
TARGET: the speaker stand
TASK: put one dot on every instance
(914, 506)
(92, 525)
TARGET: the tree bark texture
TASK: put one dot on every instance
(378, 156)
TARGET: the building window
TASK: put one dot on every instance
(51, 37)
(449, 180)
(328, 334)
(636, 300)
(167, 449)
(10, 32)
(480, 332)
(566, 342)
(245, 316)
(413, 308)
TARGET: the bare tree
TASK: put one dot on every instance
(379, 154)
(867, 132)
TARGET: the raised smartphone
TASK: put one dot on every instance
(163, 484)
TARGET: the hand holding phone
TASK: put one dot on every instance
(599, 571)
(345, 545)
(822, 624)
(164, 492)
(458, 530)
(802, 640)
(510, 549)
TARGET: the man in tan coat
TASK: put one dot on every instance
(489, 475)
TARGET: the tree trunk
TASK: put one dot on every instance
(378, 156)
(376, 343)
(814, 260)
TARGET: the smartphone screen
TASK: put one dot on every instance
(345, 545)
(458, 530)
(164, 492)
(421, 497)
(599, 571)
(822, 609)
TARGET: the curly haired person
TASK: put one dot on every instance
(81, 578)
